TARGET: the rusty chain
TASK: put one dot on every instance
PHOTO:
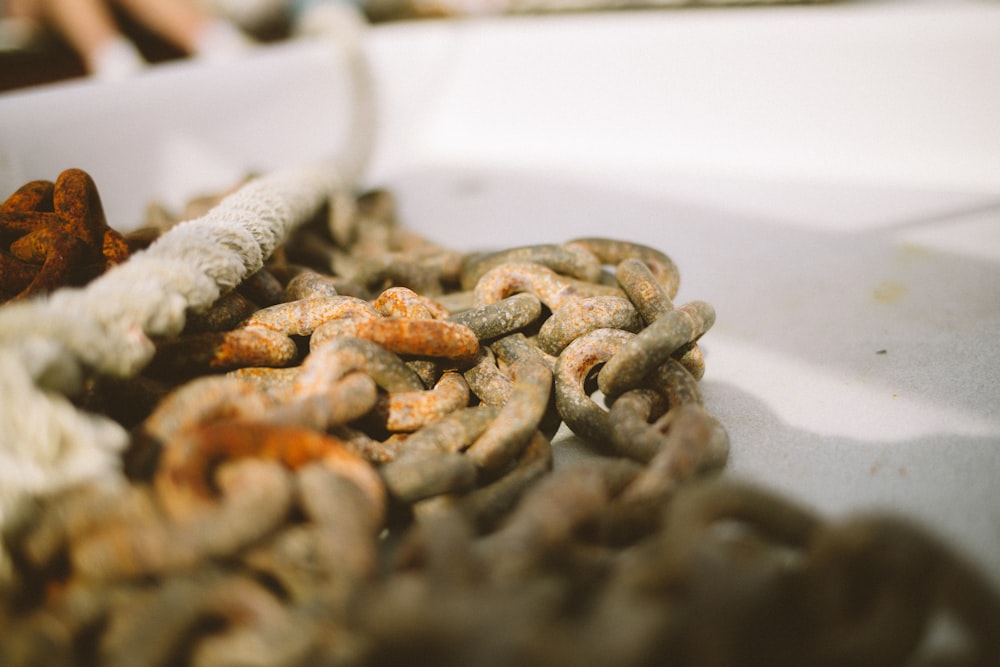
(347, 460)
(54, 234)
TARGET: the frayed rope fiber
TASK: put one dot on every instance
(48, 345)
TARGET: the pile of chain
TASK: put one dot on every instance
(54, 234)
(347, 460)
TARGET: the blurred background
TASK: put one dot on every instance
(33, 51)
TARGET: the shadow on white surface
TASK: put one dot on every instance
(939, 480)
(866, 309)
(853, 369)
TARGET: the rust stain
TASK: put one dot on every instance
(889, 292)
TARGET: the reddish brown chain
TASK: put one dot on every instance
(54, 235)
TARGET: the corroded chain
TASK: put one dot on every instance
(347, 460)
(54, 234)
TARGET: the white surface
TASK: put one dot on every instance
(828, 178)
(863, 93)
(179, 130)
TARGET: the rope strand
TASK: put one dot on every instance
(47, 345)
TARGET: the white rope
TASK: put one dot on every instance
(47, 345)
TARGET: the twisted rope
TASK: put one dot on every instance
(47, 346)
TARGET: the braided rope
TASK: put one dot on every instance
(47, 345)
